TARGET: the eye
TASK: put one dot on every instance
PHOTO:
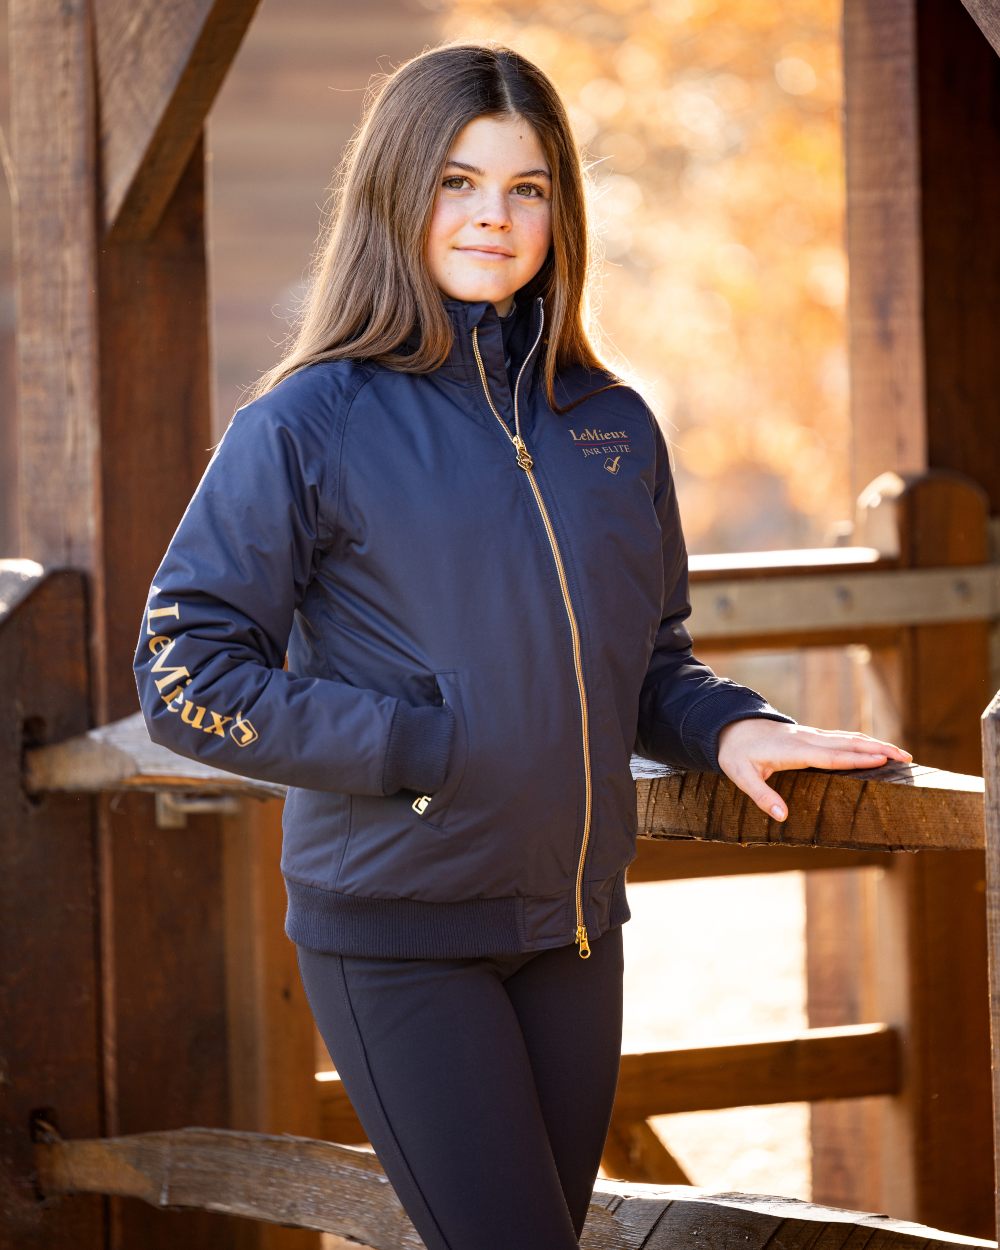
(454, 178)
(531, 187)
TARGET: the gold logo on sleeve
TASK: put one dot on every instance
(242, 732)
(178, 677)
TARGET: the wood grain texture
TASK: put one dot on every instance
(930, 977)
(882, 234)
(311, 1184)
(55, 239)
(159, 67)
(959, 155)
(121, 757)
(990, 727)
(986, 15)
(50, 1035)
(893, 808)
(898, 807)
(676, 859)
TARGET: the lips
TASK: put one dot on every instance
(497, 252)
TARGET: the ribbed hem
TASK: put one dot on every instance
(704, 722)
(404, 928)
(419, 746)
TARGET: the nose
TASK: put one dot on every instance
(493, 209)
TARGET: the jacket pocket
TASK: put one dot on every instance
(433, 809)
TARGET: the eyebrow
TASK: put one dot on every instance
(525, 173)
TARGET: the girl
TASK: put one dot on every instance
(463, 529)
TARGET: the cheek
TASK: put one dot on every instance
(538, 231)
(445, 221)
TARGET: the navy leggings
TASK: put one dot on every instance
(484, 1085)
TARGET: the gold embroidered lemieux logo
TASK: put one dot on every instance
(612, 444)
(242, 731)
(593, 435)
(246, 731)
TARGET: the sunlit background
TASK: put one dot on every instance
(713, 132)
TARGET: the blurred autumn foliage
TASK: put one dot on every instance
(713, 135)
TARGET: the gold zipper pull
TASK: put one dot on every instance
(420, 805)
(523, 458)
(581, 937)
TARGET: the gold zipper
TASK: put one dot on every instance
(525, 461)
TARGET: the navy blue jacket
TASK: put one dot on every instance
(483, 605)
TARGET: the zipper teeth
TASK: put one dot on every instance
(574, 630)
(517, 383)
(584, 715)
(486, 388)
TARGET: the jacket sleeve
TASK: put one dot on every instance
(683, 704)
(209, 661)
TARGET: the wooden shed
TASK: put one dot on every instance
(156, 1051)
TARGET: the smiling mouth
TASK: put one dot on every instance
(481, 254)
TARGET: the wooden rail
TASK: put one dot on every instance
(837, 818)
(991, 768)
(893, 808)
(303, 1183)
(853, 1061)
(834, 596)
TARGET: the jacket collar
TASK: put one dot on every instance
(481, 317)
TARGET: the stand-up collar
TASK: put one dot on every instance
(481, 317)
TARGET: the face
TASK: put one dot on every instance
(492, 221)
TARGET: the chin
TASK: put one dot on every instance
(473, 291)
(474, 295)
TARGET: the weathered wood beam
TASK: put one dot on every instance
(54, 224)
(113, 433)
(990, 730)
(18, 578)
(677, 859)
(850, 1061)
(893, 808)
(121, 757)
(898, 807)
(303, 1183)
(986, 15)
(50, 988)
(927, 958)
(830, 608)
(159, 68)
(883, 235)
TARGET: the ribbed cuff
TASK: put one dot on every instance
(702, 725)
(419, 746)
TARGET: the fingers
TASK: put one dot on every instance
(753, 750)
(752, 779)
(848, 759)
(860, 742)
(769, 801)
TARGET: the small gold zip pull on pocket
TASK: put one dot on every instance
(419, 805)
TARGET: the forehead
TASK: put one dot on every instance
(500, 144)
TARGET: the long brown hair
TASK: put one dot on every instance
(369, 285)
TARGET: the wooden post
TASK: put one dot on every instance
(991, 775)
(114, 431)
(929, 963)
(49, 984)
(922, 146)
